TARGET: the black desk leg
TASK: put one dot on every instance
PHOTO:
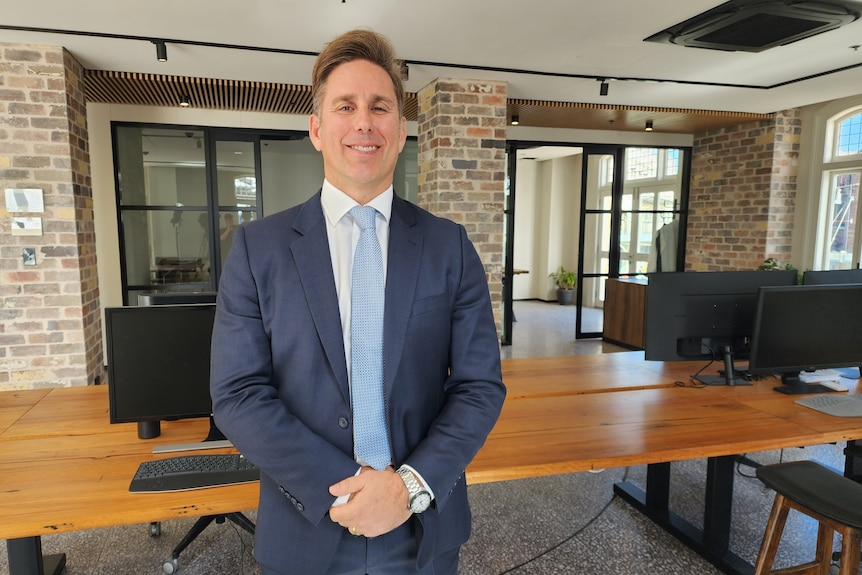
(25, 558)
(657, 496)
(713, 540)
(717, 508)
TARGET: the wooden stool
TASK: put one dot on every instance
(832, 499)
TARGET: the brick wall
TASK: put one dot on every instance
(462, 165)
(742, 196)
(50, 327)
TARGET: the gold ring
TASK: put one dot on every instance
(353, 531)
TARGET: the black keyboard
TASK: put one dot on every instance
(193, 472)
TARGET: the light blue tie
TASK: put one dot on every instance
(371, 442)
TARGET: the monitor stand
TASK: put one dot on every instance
(730, 375)
(793, 385)
(214, 439)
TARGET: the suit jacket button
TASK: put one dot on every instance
(343, 423)
(300, 506)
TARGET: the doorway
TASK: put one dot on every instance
(596, 209)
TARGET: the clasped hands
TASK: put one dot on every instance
(377, 504)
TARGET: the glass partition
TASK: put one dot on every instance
(182, 192)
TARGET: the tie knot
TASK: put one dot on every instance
(363, 216)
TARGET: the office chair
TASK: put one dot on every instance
(173, 564)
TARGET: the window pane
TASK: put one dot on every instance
(161, 167)
(845, 204)
(605, 238)
(646, 201)
(668, 200)
(236, 183)
(641, 163)
(645, 233)
(850, 136)
(672, 163)
(228, 224)
(625, 233)
(165, 247)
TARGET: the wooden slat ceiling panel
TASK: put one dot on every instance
(161, 90)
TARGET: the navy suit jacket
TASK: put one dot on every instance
(279, 378)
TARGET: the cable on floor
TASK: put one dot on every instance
(242, 546)
(570, 537)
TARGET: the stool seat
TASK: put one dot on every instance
(815, 490)
(818, 488)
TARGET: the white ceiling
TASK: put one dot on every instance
(562, 37)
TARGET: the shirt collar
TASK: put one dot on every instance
(336, 203)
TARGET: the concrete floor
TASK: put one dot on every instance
(565, 524)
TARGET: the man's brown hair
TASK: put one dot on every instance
(356, 45)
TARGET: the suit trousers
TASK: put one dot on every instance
(391, 554)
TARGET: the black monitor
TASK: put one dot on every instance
(705, 315)
(805, 328)
(821, 277)
(158, 364)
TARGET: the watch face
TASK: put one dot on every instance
(420, 502)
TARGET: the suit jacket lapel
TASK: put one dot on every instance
(402, 273)
(319, 286)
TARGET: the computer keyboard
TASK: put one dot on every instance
(193, 472)
(833, 404)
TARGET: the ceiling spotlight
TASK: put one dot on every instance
(603, 88)
(515, 120)
(184, 101)
(648, 126)
(161, 50)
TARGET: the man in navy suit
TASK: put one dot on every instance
(281, 381)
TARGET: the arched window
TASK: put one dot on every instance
(848, 137)
(840, 238)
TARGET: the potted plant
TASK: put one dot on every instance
(770, 264)
(565, 281)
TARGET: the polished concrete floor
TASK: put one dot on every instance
(569, 524)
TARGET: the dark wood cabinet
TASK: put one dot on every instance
(625, 301)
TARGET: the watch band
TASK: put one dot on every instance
(419, 498)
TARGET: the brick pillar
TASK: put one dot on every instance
(462, 165)
(742, 195)
(50, 326)
(782, 204)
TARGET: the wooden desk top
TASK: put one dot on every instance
(65, 468)
(596, 373)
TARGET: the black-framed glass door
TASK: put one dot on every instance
(630, 197)
(599, 238)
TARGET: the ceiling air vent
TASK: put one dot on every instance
(754, 26)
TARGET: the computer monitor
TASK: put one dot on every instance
(705, 315)
(158, 364)
(805, 328)
(821, 277)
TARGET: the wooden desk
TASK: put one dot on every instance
(65, 468)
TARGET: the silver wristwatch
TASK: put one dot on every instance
(419, 499)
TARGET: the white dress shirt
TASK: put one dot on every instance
(343, 234)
